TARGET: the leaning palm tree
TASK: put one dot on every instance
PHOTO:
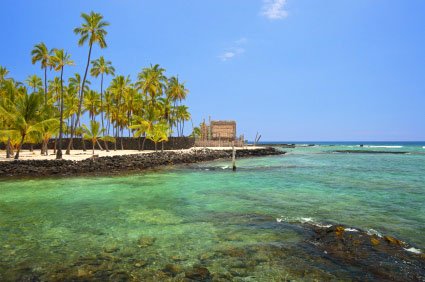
(101, 67)
(94, 134)
(59, 60)
(41, 54)
(91, 31)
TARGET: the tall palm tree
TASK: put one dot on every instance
(41, 54)
(182, 115)
(152, 81)
(60, 59)
(101, 67)
(119, 88)
(34, 82)
(176, 90)
(92, 31)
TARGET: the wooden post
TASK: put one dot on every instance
(233, 156)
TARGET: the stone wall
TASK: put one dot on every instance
(128, 143)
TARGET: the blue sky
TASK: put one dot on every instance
(292, 70)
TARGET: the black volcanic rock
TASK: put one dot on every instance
(123, 163)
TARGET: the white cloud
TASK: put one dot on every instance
(274, 9)
(234, 51)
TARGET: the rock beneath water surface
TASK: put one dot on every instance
(145, 242)
(198, 273)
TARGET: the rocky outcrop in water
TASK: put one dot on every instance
(369, 152)
(116, 164)
(371, 257)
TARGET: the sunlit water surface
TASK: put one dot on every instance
(200, 214)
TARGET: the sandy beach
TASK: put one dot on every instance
(79, 155)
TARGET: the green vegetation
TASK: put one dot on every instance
(37, 111)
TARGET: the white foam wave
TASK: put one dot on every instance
(413, 250)
(351, 230)
(395, 147)
(322, 225)
(306, 219)
(423, 147)
(374, 232)
(303, 220)
(225, 167)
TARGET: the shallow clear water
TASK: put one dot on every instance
(206, 214)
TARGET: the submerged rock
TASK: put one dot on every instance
(198, 273)
(172, 269)
(144, 242)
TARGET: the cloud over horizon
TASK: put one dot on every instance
(274, 9)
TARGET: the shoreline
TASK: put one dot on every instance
(121, 163)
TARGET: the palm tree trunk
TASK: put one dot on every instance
(42, 152)
(156, 149)
(143, 144)
(45, 86)
(59, 151)
(8, 148)
(122, 134)
(98, 143)
(116, 137)
(81, 101)
(19, 148)
(93, 147)
(138, 142)
(101, 98)
(46, 149)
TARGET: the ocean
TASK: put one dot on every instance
(239, 225)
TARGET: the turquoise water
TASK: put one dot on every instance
(204, 214)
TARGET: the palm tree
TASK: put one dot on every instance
(152, 81)
(158, 133)
(46, 131)
(92, 30)
(60, 59)
(101, 67)
(141, 126)
(3, 73)
(94, 134)
(92, 103)
(119, 87)
(41, 54)
(182, 115)
(26, 118)
(176, 90)
(34, 82)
